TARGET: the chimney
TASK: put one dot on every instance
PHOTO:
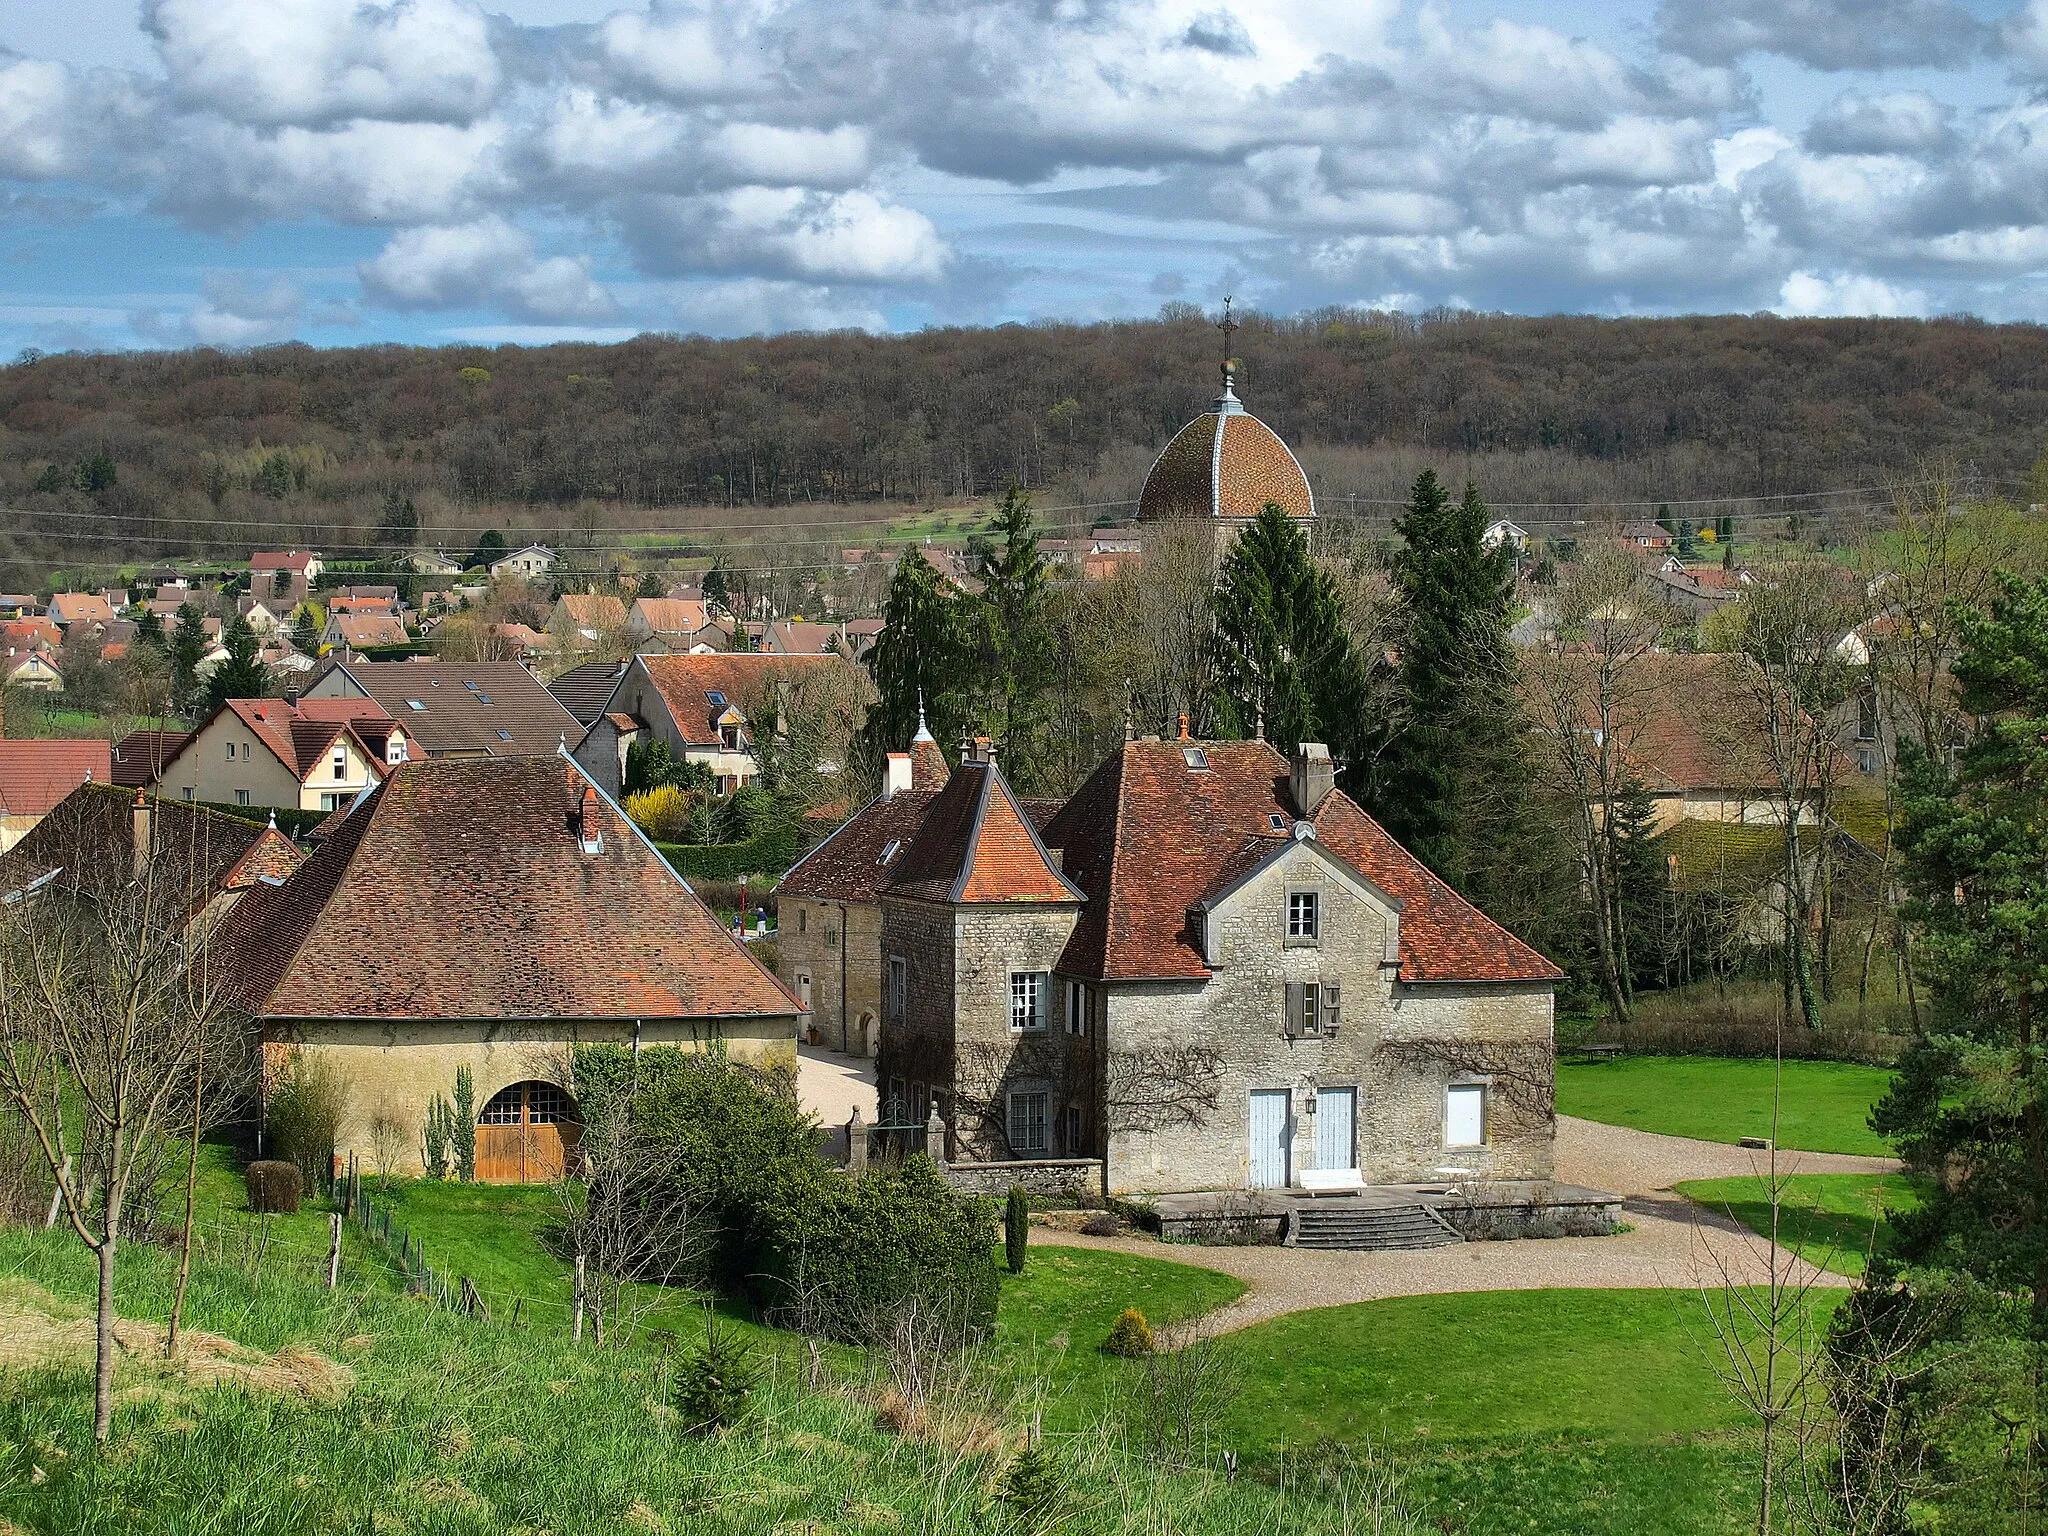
(1311, 777)
(583, 822)
(1183, 727)
(145, 818)
(895, 775)
(291, 695)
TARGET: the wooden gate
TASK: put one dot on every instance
(526, 1135)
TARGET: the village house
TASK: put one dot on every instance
(36, 775)
(431, 562)
(529, 564)
(677, 623)
(1642, 535)
(1212, 971)
(140, 756)
(284, 576)
(585, 690)
(300, 754)
(457, 708)
(581, 619)
(69, 608)
(363, 631)
(490, 915)
(32, 668)
(829, 909)
(1502, 532)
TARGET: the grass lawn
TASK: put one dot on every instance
(1826, 1104)
(1830, 1218)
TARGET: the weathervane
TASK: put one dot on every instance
(1229, 327)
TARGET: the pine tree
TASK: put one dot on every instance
(919, 659)
(240, 675)
(1014, 643)
(1284, 662)
(398, 526)
(188, 649)
(1449, 785)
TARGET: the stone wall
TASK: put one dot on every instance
(395, 1070)
(1234, 1027)
(839, 946)
(1057, 1178)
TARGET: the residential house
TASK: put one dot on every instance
(1695, 591)
(285, 576)
(298, 754)
(1223, 468)
(527, 644)
(36, 775)
(1212, 971)
(259, 614)
(140, 756)
(794, 637)
(1642, 535)
(703, 708)
(32, 668)
(431, 562)
(829, 909)
(19, 605)
(69, 608)
(457, 708)
(581, 619)
(30, 634)
(529, 564)
(106, 831)
(678, 623)
(363, 631)
(490, 915)
(1500, 531)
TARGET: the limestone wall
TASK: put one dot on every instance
(842, 955)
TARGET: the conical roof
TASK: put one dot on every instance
(1226, 463)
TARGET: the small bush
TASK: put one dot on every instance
(1031, 1486)
(662, 812)
(1130, 1336)
(715, 1383)
(1016, 1229)
(274, 1188)
(304, 1117)
(1101, 1224)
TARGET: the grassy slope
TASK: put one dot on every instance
(1826, 1104)
(1831, 1218)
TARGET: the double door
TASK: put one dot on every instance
(1271, 1135)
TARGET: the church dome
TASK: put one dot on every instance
(1227, 464)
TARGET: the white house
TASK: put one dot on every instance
(529, 564)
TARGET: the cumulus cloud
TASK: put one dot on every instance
(851, 237)
(485, 263)
(1849, 293)
(238, 309)
(1825, 34)
(1900, 123)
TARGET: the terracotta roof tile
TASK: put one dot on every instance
(585, 690)
(976, 844)
(593, 610)
(1147, 837)
(140, 756)
(36, 774)
(457, 889)
(847, 866)
(742, 678)
(1224, 464)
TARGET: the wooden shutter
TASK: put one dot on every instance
(1296, 1001)
(1333, 1008)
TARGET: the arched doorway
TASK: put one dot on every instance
(527, 1134)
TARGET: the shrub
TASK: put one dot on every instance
(1031, 1486)
(714, 1383)
(662, 812)
(304, 1117)
(463, 1126)
(437, 1137)
(1101, 1224)
(1016, 1229)
(273, 1187)
(1130, 1336)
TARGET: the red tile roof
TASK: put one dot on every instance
(1147, 837)
(74, 607)
(847, 866)
(300, 735)
(593, 610)
(976, 844)
(671, 615)
(140, 756)
(35, 775)
(458, 890)
(928, 768)
(686, 684)
(361, 631)
(289, 560)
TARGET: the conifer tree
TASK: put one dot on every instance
(1284, 662)
(188, 649)
(1014, 642)
(919, 660)
(240, 675)
(1449, 783)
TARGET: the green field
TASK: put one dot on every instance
(1834, 1219)
(1825, 1105)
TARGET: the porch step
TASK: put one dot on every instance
(1368, 1227)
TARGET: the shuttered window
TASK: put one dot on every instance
(1029, 1110)
(1333, 1008)
(1313, 1008)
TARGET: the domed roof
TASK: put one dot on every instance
(1225, 463)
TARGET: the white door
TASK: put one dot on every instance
(1336, 1128)
(1270, 1135)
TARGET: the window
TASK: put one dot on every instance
(395, 751)
(1313, 1008)
(890, 849)
(1276, 821)
(331, 802)
(504, 735)
(341, 762)
(1080, 1009)
(241, 797)
(1196, 759)
(1027, 1001)
(1070, 1133)
(802, 919)
(899, 987)
(1866, 717)
(231, 751)
(188, 792)
(717, 699)
(546, 1104)
(483, 698)
(1304, 916)
(1028, 1113)
(1465, 1115)
(414, 704)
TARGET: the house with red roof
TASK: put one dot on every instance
(35, 775)
(1209, 971)
(68, 608)
(490, 913)
(301, 754)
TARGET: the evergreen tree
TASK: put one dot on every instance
(398, 526)
(1450, 783)
(240, 675)
(920, 658)
(1014, 643)
(1636, 886)
(305, 633)
(1970, 1107)
(490, 545)
(715, 583)
(188, 649)
(1284, 662)
(149, 630)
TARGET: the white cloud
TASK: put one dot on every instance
(1825, 34)
(851, 237)
(1847, 293)
(488, 262)
(1898, 123)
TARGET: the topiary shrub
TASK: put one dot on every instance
(1016, 1229)
(714, 1383)
(462, 1126)
(274, 1188)
(1130, 1336)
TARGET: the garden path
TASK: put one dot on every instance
(1674, 1242)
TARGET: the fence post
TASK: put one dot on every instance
(577, 1338)
(856, 1144)
(333, 1250)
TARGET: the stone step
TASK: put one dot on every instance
(1371, 1228)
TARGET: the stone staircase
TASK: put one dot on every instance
(1367, 1225)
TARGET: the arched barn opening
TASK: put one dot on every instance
(527, 1134)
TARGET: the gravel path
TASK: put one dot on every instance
(1675, 1243)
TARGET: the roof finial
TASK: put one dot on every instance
(924, 732)
(273, 818)
(1227, 402)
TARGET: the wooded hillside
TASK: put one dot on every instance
(160, 453)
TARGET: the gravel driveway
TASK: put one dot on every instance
(1675, 1243)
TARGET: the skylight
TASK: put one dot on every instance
(483, 698)
(414, 704)
(716, 697)
(1197, 759)
(1277, 822)
(504, 735)
(890, 849)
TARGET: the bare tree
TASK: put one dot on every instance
(116, 1036)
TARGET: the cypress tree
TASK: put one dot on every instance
(241, 675)
(1014, 641)
(1284, 661)
(919, 658)
(1449, 784)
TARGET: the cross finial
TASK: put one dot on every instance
(1229, 327)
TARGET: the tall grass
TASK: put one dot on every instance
(1742, 1018)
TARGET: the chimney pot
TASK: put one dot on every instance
(896, 775)
(1311, 777)
(1183, 727)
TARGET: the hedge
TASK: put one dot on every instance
(291, 821)
(768, 852)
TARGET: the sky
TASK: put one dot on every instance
(235, 173)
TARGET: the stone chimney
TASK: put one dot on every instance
(1310, 778)
(895, 775)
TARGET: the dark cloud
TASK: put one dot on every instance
(1825, 34)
